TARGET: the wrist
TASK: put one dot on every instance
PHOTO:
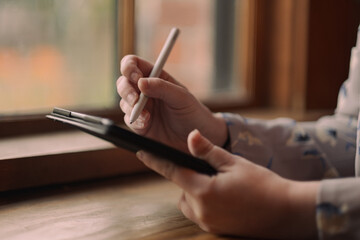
(291, 208)
(301, 208)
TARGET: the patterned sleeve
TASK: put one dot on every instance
(338, 209)
(314, 150)
(296, 150)
(304, 150)
(338, 201)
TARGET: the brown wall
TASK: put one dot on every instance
(303, 51)
(332, 34)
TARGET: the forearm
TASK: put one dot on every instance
(290, 209)
(298, 151)
(329, 209)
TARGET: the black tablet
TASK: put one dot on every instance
(105, 128)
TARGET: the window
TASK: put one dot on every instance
(62, 42)
(207, 55)
(269, 62)
(57, 53)
(69, 56)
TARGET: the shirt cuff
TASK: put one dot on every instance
(338, 209)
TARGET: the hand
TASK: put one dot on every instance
(171, 111)
(243, 198)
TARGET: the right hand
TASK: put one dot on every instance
(171, 112)
(243, 198)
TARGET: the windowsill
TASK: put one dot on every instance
(50, 144)
(28, 161)
(311, 115)
(62, 157)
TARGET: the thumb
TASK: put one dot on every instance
(175, 95)
(201, 147)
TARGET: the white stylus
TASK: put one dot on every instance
(155, 72)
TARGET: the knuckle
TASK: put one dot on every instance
(119, 80)
(127, 58)
(126, 63)
(122, 105)
(120, 83)
(125, 89)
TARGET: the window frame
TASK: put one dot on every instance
(269, 84)
(280, 90)
(18, 125)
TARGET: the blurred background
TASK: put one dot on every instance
(259, 58)
(65, 52)
(234, 54)
(56, 53)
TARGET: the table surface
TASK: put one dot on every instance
(142, 206)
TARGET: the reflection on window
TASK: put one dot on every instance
(56, 53)
(205, 57)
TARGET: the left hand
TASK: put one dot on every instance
(171, 112)
(243, 198)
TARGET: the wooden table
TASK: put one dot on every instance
(142, 206)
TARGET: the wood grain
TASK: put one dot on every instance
(133, 207)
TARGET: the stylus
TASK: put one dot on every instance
(155, 72)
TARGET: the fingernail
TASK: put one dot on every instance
(131, 98)
(139, 155)
(135, 76)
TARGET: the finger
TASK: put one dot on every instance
(142, 123)
(202, 148)
(174, 95)
(134, 67)
(125, 107)
(185, 178)
(129, 67)
(126, 90)
(186, 209)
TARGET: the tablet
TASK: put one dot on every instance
(106, 129)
